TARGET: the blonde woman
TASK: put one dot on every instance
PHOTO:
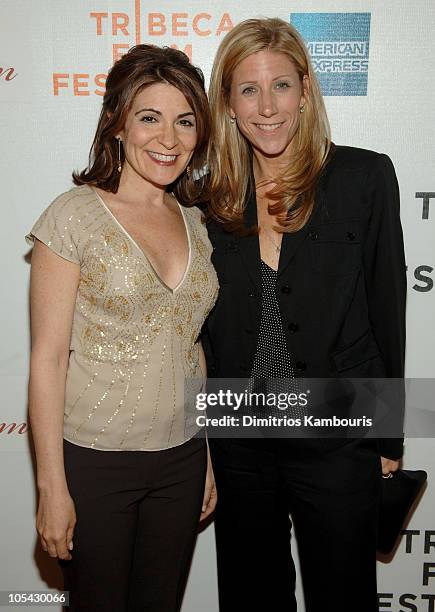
(309, 254)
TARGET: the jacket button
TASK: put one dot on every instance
(313, 235)
(252, 295)
(293, 327)
(301, 366)
(248, 330)
(351, 236)
(212, 368)
(243, 368)
(286, 289)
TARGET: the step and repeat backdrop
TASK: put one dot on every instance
(375, 62)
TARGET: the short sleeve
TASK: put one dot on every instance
(57, 228)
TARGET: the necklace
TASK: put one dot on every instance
(272, 241)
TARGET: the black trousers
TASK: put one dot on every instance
(137, 518)
(331, 490)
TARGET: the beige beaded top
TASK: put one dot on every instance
(134, 340)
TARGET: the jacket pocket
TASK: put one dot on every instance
(336, 247)
(362, 350)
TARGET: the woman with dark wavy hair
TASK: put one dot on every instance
(309, 254)
(121, 284)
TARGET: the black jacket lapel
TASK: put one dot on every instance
(291, 242)
(249, 245)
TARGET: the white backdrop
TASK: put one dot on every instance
(53, 57)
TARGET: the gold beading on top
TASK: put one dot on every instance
(134, 340)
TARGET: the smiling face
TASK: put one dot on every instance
(159, 136)
(265, 98)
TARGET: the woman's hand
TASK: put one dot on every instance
(210, 493)
(389, 466)
(53, 290)
(55, 522)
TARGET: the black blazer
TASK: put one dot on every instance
(341, 283)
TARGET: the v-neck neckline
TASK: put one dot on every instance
(269, 268)
(144, 255)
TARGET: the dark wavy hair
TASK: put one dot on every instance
(142, 66)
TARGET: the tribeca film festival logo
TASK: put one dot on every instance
(422, 273)
(339, 47)
(140, 27)
(415, 542)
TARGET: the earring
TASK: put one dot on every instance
(232, 119)
(301, 109)
(119, 156)
(188, 171)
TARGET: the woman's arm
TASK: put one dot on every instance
(53, 288)
(385, 275)
(210, 493)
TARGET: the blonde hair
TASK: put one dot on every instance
(230, 154)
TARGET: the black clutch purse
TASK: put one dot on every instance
(398, 494)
